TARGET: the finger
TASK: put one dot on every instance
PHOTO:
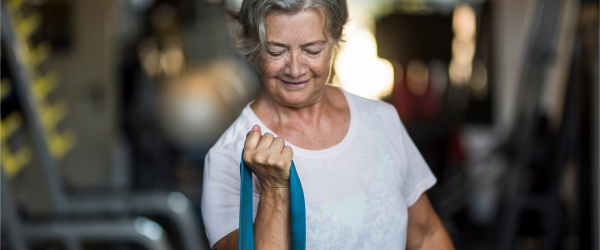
(252, 139)
(277, 145)
(255, 128)
(287, 154)
(265, 141)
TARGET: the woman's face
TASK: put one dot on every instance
(297, 62)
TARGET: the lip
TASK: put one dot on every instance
(294, 84)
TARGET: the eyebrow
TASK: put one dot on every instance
(320, 42)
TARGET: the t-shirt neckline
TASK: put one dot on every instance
(308, 153)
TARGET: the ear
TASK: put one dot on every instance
(244, 33)
(334, 51)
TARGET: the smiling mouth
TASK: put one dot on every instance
(294, 84)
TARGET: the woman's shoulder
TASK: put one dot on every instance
(370, 105)
(376, 113)
(234, 136)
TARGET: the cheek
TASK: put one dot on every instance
(269, 68)
(321, 66)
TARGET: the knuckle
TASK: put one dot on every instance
(247, 157)
(259, 158)
(272, 161)
(281, 163)
(268, 135)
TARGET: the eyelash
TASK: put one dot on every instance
(275, 54)
(313, 53)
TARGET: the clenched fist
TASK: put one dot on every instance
(268, 158)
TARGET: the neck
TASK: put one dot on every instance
(274, 113)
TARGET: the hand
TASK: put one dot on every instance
(268, 158)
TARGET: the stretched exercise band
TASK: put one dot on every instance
(297, 210)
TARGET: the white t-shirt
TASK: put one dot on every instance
(356, 192)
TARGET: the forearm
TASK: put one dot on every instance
(425, 230)
(271, 226)
(436, 239)
(272, 223)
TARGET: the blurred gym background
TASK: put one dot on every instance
(109, 107)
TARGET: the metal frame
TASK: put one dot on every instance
(596, 143)
(522, 143)
(72, 231)
(21, 79)
(113, 204)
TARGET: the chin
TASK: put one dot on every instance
(296, 98)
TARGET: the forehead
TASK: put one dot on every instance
(297, 27)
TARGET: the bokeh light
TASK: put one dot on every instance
(357, 67)
(463, 45)
(417, 77)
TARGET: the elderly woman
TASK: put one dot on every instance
(363, 178)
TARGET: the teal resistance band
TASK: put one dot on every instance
(297, 210)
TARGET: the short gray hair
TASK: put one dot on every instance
(251, 38)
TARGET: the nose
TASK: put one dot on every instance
(294, 67)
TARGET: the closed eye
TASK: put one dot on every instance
(273, 53)
(314, 53)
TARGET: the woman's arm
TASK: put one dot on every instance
(270, 160)
(271, 226)
(425, 230)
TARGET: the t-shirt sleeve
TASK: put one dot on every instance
(221, 193)
(418, 177)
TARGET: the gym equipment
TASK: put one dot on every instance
(71, 232)
(49, 145)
